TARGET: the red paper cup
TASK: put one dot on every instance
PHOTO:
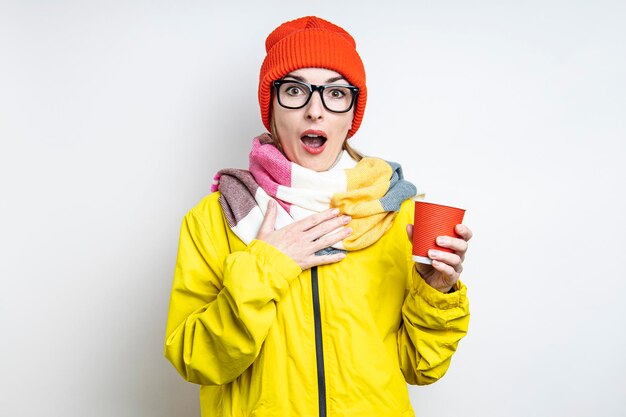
(432, 220)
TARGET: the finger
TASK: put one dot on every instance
(450, 275)
(329, 240)
(326, 227)
(464, 231)
(315, 219)
(452, 259)
(457, 245)
(409, 231)
(269, 220)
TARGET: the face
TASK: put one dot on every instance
(312, 136)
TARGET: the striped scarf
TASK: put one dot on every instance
(370, 191)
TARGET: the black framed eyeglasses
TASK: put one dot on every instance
(336, 98)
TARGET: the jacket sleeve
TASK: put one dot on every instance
(432, 326)
(222, 304)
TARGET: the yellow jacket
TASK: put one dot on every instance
(265, 338)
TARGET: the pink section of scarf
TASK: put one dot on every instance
(270, 168)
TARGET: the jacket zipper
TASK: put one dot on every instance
(319, 347)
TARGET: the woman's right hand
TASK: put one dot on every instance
(300, 240)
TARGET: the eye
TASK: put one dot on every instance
(294, 90)
(336, 93)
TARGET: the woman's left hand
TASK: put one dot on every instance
(446, 267)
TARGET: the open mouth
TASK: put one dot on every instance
(313, 142)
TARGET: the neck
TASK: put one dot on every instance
(336, 161)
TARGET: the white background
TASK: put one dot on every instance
(115, 115)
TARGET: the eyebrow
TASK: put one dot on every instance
(303, 80)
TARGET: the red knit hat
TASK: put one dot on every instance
(316, 43)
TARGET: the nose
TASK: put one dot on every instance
(315, 108)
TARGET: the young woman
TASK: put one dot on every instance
(294, 292)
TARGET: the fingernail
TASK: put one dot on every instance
(272, 203)
(348, 231)
(335, 211)
(346, 219)
(342, 255)
(441, 240)
(432, 253)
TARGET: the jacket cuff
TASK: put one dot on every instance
(437, 299)
(274, 259)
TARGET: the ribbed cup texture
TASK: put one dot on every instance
(432, 220)
(311, 42)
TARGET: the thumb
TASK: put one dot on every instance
(269, 221)
(409, 231)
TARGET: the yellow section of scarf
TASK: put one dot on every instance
(368, 182)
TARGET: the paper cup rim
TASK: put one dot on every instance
(438, 204)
